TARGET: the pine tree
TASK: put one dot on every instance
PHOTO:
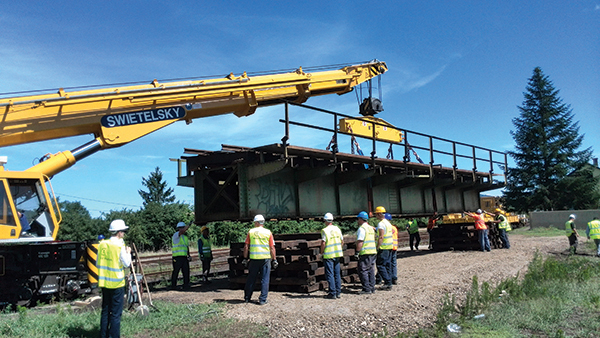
(548, 160)
(157, 189)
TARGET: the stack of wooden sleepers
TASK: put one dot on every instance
(462, 236)
(300, 264)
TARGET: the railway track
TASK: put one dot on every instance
(158, 267)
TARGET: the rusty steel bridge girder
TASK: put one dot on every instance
(282, 181)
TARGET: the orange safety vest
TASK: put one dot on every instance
(394, 237)
(480, 222)
(431, 223)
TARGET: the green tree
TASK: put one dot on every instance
(547, 154)
(159, 223)
(77, 224)
(158, 192)
(136, 232)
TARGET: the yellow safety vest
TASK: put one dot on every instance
(181, 248)
(369, 247)
(394, 237)
(413, 227)
(333, 242)
(111, 274)
(259, 243)
(568, 229)
(388, 240)
(206, 246)
(504, 224)
(594, 227)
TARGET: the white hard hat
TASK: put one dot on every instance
(180, 225)
(572, 216)
(259, 218)
(479, 211)
(328, 217)
(117, 225)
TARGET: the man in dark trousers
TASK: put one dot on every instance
(181, 252)
(572, 234)
(205, 252)
(385, 243)
(366, 249)
(413, 232)
(113, 258)
(260, 248)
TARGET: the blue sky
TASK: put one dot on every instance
(457, 70)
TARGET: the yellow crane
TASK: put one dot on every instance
(34, 265)
(119, 115)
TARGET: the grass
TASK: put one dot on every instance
(539, 232)
(172, 320)
(558, 297)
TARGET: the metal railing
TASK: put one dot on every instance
(473, 157)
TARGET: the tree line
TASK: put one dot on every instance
(552, 172)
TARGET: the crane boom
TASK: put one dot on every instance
(34, 265)
(119, 115)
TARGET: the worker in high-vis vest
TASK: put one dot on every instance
(482, 230)
(413, 233)
(503, 227)
(394, 258)
(260, 248)
(331, 249)
(113, 257)
(181, 256)
(385, 243)
(366, 249)
(205, 252)
(572, 234)
(593, 232)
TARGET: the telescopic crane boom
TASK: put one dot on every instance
(119, 115)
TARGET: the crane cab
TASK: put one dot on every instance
(28, 208)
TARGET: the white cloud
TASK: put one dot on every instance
(411, 80)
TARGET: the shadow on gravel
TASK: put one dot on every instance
(231, 301)
(303, 295)
(214, 285)
(402, 253)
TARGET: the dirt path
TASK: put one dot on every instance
(423, 279)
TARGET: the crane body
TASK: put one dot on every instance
(115, 116)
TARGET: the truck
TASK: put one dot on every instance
(33, 264)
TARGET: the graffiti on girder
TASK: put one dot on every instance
(275, 196)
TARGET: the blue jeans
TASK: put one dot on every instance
(333, 274)
(384, 266)
(256, 267)
(394, 260)
(366, 272)
(112, 307)
(504, 238)
(484, 241)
